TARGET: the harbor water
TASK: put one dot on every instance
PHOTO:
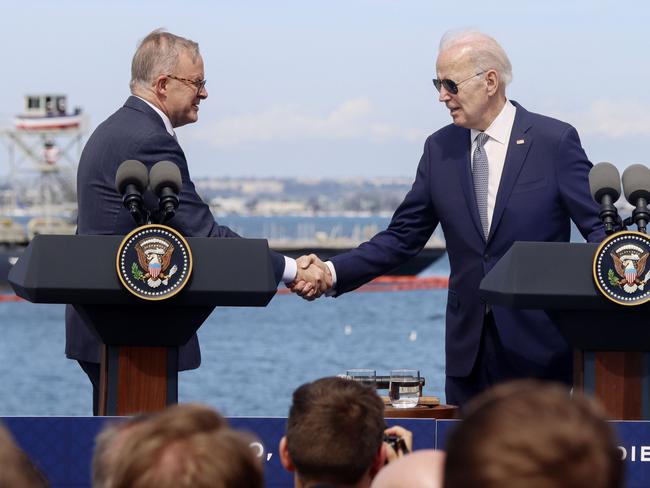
(252, 358)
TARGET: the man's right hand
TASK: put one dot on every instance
(313, 277)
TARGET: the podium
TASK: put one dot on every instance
(141, 338)
(611, 342)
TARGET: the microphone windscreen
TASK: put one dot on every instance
(131, 172)
(604, 179)
(165, 174)
(636, 182)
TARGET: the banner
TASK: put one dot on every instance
(62, 447)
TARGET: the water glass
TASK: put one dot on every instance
(404, 388)
(363, 376)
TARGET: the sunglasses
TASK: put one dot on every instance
(450, 85)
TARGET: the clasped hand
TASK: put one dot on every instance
(313, 278)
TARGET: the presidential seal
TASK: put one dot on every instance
(154, 262)
(620, 268)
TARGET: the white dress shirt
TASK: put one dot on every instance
(495, 149)
(290, 265)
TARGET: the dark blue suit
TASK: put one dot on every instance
(135, 131)
(543, 186)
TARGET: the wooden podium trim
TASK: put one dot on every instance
(137, 379)
(616, 379)
(618, 383)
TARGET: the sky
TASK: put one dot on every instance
(336, 88)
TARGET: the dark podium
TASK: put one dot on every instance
(610, 341)
(140, 356)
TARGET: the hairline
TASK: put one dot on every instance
(476, 45)
(170, 46)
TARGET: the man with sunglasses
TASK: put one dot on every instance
(497, 175)
(167, 86)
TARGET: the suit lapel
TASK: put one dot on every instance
(464, 166)
(518, 146)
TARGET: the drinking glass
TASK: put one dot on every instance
(364, 376)
(404, 388)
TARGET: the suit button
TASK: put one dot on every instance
(486, 256)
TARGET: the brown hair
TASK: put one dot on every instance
(185, 446)
(16, 469)
(534, 435)
(157, 55)
(108, 444)
(334, 430)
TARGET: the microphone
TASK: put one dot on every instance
(636, 185)
(165, 181)
(605, 187)
(131, 180)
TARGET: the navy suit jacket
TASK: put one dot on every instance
(543, 186)
(135, 131)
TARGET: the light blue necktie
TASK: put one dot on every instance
(480, 172)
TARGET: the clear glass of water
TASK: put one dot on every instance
(364, 376)
(404, 388)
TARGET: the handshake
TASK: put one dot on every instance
(313, 278)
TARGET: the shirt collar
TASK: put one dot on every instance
(165, 119)
(500, 128)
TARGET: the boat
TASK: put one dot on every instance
(49, 225)
(12, 247)
(45, 119)
(48, 113)
(38, 198)
(326, 247)
(13, 239)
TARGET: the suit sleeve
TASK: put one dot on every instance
(572, 172)
(409, 230)
(193, 217)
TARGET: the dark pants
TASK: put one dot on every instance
(92, 370)
(491, 367)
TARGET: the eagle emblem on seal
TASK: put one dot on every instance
(629, 263)
(154, 258)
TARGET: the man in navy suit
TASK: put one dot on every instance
(167, 83)
(497, 175)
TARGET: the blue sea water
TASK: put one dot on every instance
(252, 358)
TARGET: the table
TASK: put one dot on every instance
(422, 412)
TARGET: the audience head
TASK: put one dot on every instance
(182, 446)
(108, 444)
(420, 469)
(16, 470)
(334, 433)
(534, 435)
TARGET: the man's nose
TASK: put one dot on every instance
(203, 94)
(444, 95)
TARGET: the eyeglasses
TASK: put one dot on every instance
(199, 84)
(450, 85)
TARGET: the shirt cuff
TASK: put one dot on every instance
(330, 265)
(290, 270)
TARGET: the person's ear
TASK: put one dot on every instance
(160, 85)
(379, 461)
(285, 458)
(492, 81)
